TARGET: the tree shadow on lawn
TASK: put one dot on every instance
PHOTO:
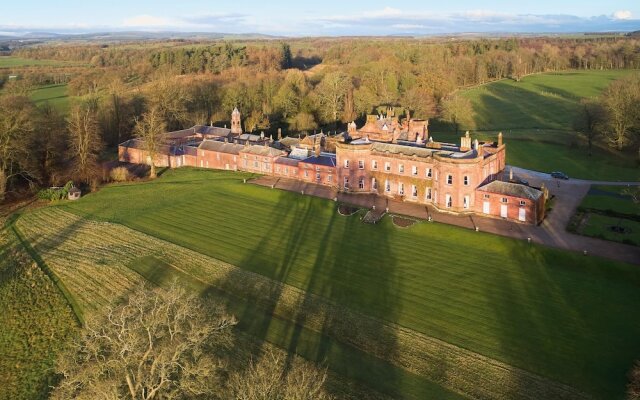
(517, 108)
(319, 253)
(568, 319)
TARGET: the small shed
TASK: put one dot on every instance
(74, 193)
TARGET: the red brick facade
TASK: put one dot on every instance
(457, 179)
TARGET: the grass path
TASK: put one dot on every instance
(553, 313)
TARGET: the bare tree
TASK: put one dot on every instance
(331, 93)
(589, 121)
(621, 103)
(272, 378)
(633, 387)
(84, 141)
(16, 116)
(457, 110)
(151, 129)
(171, 99)
(156, 345)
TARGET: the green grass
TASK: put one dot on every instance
(15, 62)
(35, 323)
(321, 348)
(600, 226)
(55, 95)
(544, 101)
(610, 198)
(551, 312)
(536, 116)
(605, 207)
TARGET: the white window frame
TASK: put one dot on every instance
(448, 200)
(346, 163)
(429, 173)
(361, 183)
(504, 200)
(523, 203)
(414, 170)
(346, 182)
(414, 191)
(374, 184)
(387, 166)
(387, 186)
(465, 180)
(401, 189)
(449, 179)
(401, 168)
(360, 164)
(427, 194)
(466, 202)
(374, 164)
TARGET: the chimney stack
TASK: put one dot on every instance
(511, 174)
(279, 133)
(499, 139)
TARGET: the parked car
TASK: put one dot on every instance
(559, 175)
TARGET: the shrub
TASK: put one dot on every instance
(119, 174)
(53, 194)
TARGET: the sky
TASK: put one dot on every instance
(320, 18)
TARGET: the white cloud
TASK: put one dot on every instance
(148, 21)
(622, 14)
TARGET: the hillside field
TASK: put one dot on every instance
(55, 95)
(533, 310)
(536, 116)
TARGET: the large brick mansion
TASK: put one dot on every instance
(388, 156)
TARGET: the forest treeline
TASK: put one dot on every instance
(298, 85)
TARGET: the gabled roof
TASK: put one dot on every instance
(262, 151)
(251, 137)
(512, 189)
(221, 147)
(299, 153)
(289, 141)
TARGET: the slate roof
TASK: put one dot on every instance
(139, 144)
(262, 151)
(198, 129)
(299, 153)
(221, 147)
(512, 189)
(287, 161)
(289, 141)
(326, 159)
(403, 150)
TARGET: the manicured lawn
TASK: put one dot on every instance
(555, 313)
(544, 101)
(608, 213)
(610, 198)
(612, 228)
(56, 95)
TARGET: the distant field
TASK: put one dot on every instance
(536, 116)
(543, 310)
(544, 101)
(56, 95)
(15, 62)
